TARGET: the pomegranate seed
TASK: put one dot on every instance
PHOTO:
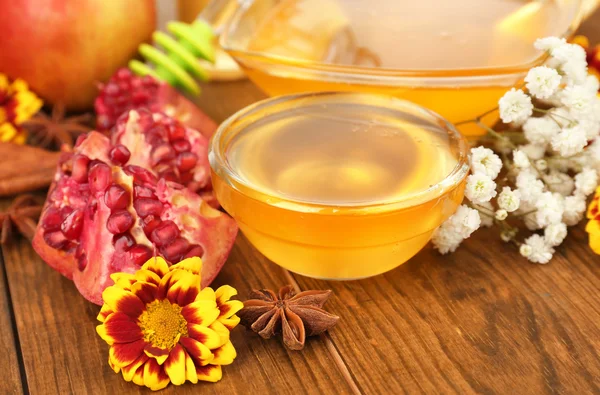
(174, 251)
(140, 174)
(79, 171)
(181, 146)
(186, 178)
(139, 254)
(73, 224)
(124, 74)
(143, 192)
(176, 132)
(119, 222)
(82, 262)
(157, 131)
(111, 89)
(195, 251)
(139, 97)
(168, 175)
(116, 197)
(52, 219)
(55, 239)
(150, 223)
(99, 177)
(119, 154)
(164, 233)
(123, 242)
(186, 161)
(162, 153)
(145, 207)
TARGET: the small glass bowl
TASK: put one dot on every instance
(326, 240)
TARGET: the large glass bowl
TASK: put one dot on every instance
(324, 239)
(324, 33)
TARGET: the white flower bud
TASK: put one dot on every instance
(501, 215)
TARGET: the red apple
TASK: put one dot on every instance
(62, 48)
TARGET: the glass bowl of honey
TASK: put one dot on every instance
(456, 57)
(338, 185)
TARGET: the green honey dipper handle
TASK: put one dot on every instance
(185, 57)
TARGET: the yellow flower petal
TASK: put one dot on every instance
(138, 376)
(224, 293)
(124, 354)
(212, 373)
(105, 311)
(119, 328)
(157, 265)
(197, 351)
(207, 293)
(159, 354)
(190, 370)
(145, 291)
(130, 370)
(7, 132)
(230, 322)
(155, 377)
(204, 335)
(228, 309)
(175, 365)
(116, 369)
(222, 330)
(594, 241)
(120, 300)
(185, 290)
(123, 280)
(192, 265)
(593, 227)
(224, 355)
(147, 276)
(201, 312)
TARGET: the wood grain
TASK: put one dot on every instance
(481, 320)
(63, 353)
(9, 364)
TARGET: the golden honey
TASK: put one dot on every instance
(338, 186)
(455, 57)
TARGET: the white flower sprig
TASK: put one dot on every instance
(551, 158)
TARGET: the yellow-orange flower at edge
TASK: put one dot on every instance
(593, 225)
(161, 327)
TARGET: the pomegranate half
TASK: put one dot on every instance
(105, 213)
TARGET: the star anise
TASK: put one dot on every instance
(294, 315)
(56, 129)
(22, 214)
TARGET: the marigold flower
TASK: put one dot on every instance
(593, 225)
(161, 327)
(17, 105)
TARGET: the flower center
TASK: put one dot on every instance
(162, 324)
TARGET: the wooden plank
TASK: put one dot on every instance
(63, 353)
(9, 364)
(479, 320)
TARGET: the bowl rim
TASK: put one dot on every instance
(366, 72)
(222, 168)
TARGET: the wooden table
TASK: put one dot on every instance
(482, 320)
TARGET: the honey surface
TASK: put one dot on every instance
(451, 37)
(340, 156)
(424, 34)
